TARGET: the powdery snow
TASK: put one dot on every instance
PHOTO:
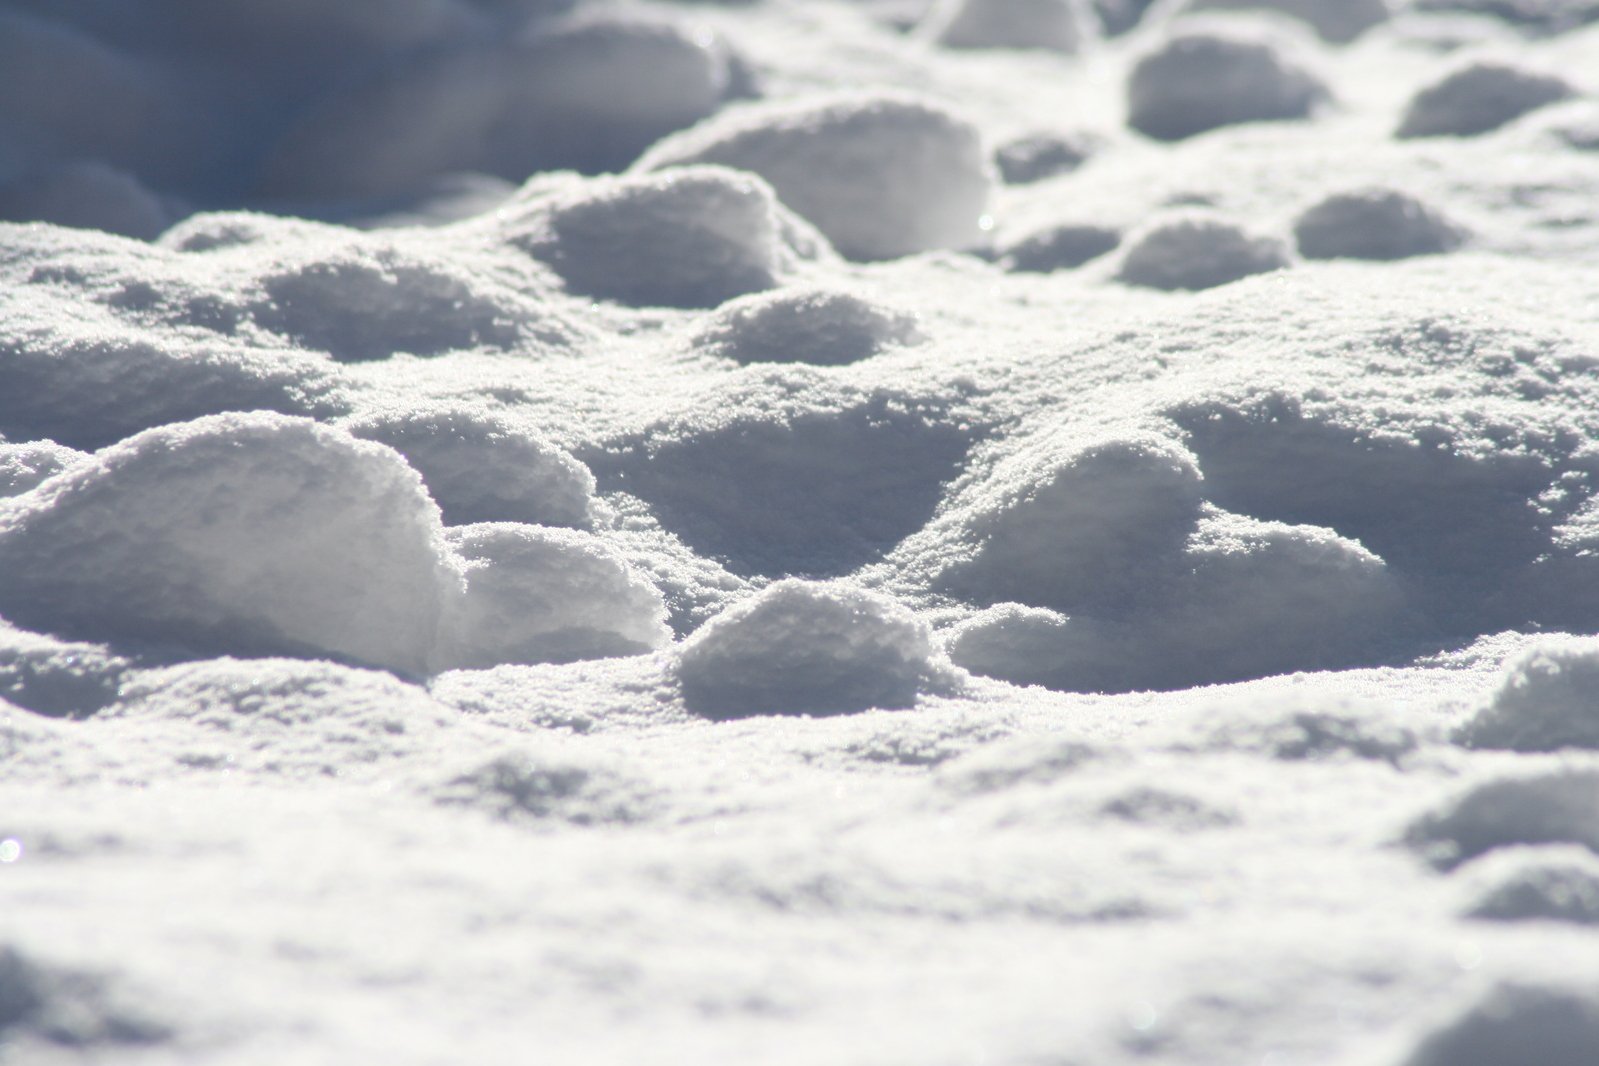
(877, 531)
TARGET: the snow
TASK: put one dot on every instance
(878, 531)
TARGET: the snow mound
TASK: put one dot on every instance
(1033, 157)
(820, 326)
(86, 195)
(1549, 1025)
(543, 786)
(1120, 16)
(1548, 700)
(536, 594)
(806, 648)
(1534, 17)
(881, 176)
(85, 380)
(1022, 762)
(210, 231)
(24, 465)
(480, 468)
(1338, 21)
(238, 533)
(283, 718)
(786, 472)
(362, 302)
(1293, 729)
(588, 94)
(1036, 646)
(1478, 98)
(52, 1010)
(1374, 223)
(1094, 527)
(54, 677)
(1538, 885)
(1201, 80)
(1196, 250)
(1052, 25)
(1060, 247)
(1554, 807)
(690, 237)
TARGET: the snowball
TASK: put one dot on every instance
(1339, 21)
(588, 95)
(1198, 81)
(1055, 25)
(1094, 528)
(1542, 884)
(823, 327)
(1059, 248)
(1554, 807)
(85, 195)
(57, 678)
(22, 466)
(805, 648)
(1374, 223)
(1516, 1023)
(1036, 646)
(1037, 156)
(789, 473)
(246, 533)
(536, 594)
(692, 237)
(1478, 98)
(1547, 700)
(479, 468)
(881, 176)
(367, 301)
(1197, 251)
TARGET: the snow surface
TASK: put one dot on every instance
(872, 531)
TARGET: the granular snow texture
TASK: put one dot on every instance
(789, 531)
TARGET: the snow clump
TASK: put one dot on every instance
(881, 176)
(1374, 223)
(480, 468)
(1337, 21)
(1548, 700)
(1036, 156)
(1552, 884)
(1514, 1023)
(87, 195)
(244, 533)
(1201, 80)
(1059, 248)
(1194, 250)
(536, 594)
(1553, 807)
(689, 237)
(1053, 25)
(820, 326)
(806, 648)
(1478, 98)
(24, 465)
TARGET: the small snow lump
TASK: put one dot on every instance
(1374, 223)
(1547, 700)
(1337, 21)
(820, 326)
(1518, 1023)
(1478, 98)
(1198, 251)
(1053, 25)
(1036, 156)
(805, 648)
(881, 176)
(1200, 80)
(1059, 248)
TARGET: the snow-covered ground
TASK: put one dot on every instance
(799, 531)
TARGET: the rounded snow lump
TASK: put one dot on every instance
(1059, 248)
(1338, 21)
(805, 648)
(1196, 251)
(1478, 98)
(1056, 25)
(1374, 223)
(85, 195)
(480, 468)
(1199, 81)
(693, 237)
(1548, 699)
(1553, 807)
(1515, 1023)
(881, 176)
(538, 595)
(244, 533)
(823, 327)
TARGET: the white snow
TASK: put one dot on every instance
(871, 531)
